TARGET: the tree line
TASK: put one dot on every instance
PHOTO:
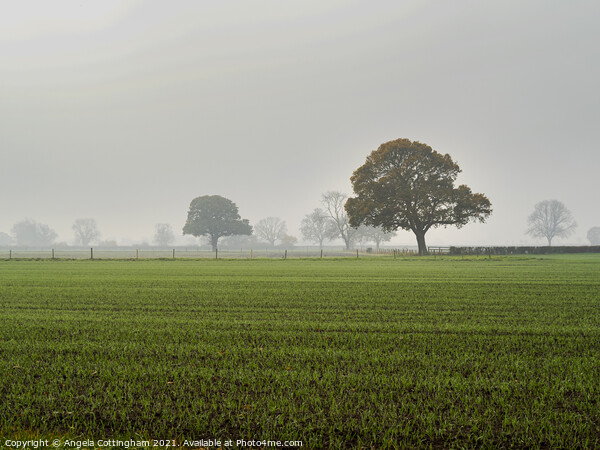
(402, 185)
(216, 217)
(30, 233)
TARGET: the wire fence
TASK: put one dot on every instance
(129, 253)
(186, 253)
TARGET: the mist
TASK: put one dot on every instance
(126, 111)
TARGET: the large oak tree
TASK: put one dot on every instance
(215, 216)
(409, 185)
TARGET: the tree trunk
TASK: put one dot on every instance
(421, 242)
(346, 239)
(213, 241)
(347, 242)
(549, 241)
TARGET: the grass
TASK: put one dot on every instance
(371, 353)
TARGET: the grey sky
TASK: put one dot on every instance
(126, 111)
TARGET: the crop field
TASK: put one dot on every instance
(334, 353)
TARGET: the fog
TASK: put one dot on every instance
(126, 111)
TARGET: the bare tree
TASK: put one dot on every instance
(271, 229)
(377, 235)
(318, 227)
(551, 219)
(334, 204)
(163, 234)
(86, 231)
(593, 235)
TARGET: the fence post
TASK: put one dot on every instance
(285, 254)
(137, 253)
(10, 253)
(321, 253)
(92, 253)
(357, 253)
(216, 253)
(52, 253)
(173, 253)
(250, 253)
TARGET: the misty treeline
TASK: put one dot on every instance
(402, 185)
(322, 226)
(326, 223)
(30, 233)
(217, 219)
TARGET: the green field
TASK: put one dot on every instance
(340, 353)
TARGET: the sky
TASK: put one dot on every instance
(124, 111)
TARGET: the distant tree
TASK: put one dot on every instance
(409, 185)
(33, 234)
(593, 235)
(215, 217)
(318, 227)
(378, 235)
(163, 234)
(85, 231)
(550, 219)
(270, 229)
(288, 241)
(5, 239)
(334, 205)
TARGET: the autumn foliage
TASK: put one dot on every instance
(409, 185)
